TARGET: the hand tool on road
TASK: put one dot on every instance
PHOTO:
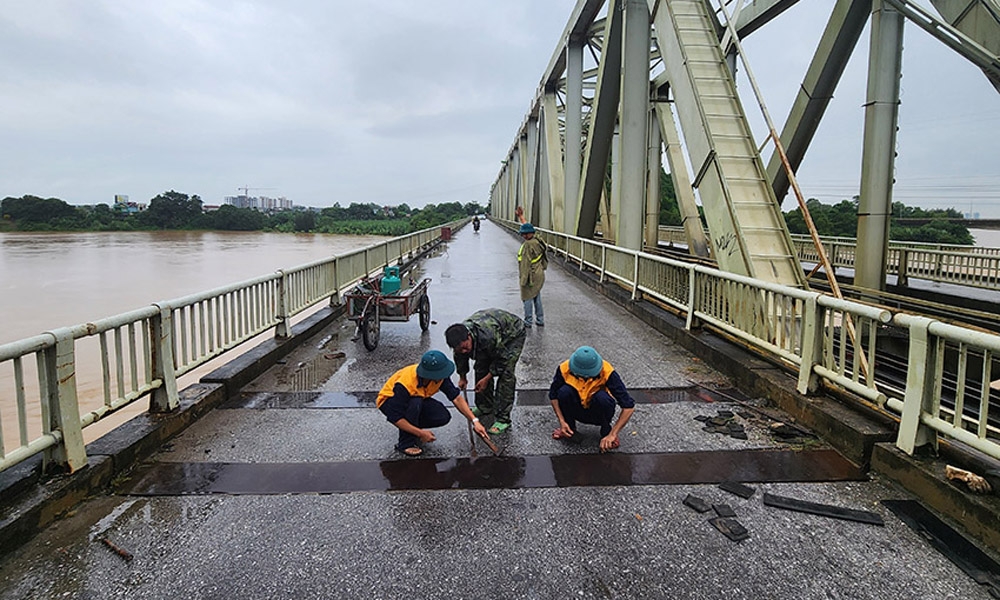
(472, 438)
(489, 442)
(486, 437)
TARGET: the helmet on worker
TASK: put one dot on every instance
(585, 362)
(435, 365)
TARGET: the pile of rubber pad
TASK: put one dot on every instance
(725, 519)
(725, 423)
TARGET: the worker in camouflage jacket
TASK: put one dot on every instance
(492, 339)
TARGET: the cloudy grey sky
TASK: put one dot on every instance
(321, 100)
(393, 101)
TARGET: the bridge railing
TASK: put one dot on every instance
(825, 340)
(143, 352)
(972, 266)
(675, 234)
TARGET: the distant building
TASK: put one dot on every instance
(237, 201)
(262, 203)
(123, 205)
(209, 207)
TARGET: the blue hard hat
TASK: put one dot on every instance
(526, 228)
(435, 365)
(585, 362)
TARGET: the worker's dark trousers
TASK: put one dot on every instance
(600, 412)
(424, 413)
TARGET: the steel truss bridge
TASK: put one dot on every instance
(658, 63)
(662, 67)
(628, 77)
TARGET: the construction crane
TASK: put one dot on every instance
(246, 190)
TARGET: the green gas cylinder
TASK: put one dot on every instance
(390, 280)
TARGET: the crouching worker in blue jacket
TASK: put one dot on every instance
(406, 401)
(587, 388)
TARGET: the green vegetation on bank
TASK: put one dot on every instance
(937, 226)
(841, 220)
(174, 210)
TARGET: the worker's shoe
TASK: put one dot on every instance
(479, 413)
(498, 428)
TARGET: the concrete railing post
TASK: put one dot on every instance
(921, 388)
(337, 283)
(59, 379)
(635, 276)
(812, 345)
(903, 268)
(164, 398)
(691, 322)
(335, 296)
(281, 329)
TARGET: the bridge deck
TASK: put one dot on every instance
(292, 489)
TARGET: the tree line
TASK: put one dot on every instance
(176, 210)
(841, 219)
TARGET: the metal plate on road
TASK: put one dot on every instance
(491, 472)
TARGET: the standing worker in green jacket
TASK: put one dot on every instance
(532, 261)
(493, 339)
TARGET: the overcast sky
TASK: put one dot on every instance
(393, 101)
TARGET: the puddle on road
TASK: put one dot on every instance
(492, 472)
(260, 400)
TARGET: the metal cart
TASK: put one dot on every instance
(368, 307)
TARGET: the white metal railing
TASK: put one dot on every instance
(972, 266)
(824, 339)
(143, 352)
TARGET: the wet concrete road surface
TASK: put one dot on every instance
(448, 525)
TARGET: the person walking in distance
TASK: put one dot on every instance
(532, 260)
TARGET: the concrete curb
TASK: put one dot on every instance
(979, 515)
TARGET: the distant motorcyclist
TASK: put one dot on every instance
(475, 223)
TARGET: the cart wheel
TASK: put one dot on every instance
(370, 329)
(424, 308)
